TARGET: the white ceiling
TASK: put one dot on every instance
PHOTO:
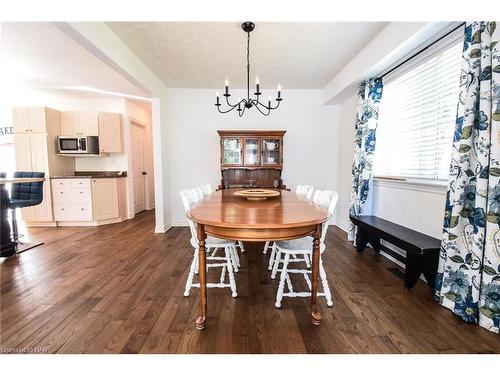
(203, 54)
(38, 55)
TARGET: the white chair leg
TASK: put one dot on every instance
(240, 244)
(281, 287)
(326, 287)
(266, 247)
(196, 264)
(190, 278)
(272, 257)
(232, 282)
(233, 252)
(277, 261)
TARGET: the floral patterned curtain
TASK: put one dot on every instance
(468, 280)
(369, 95)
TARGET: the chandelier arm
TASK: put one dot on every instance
(266, 107)
(257, 106)
(229, 110)
(232, 105)
(240, 113)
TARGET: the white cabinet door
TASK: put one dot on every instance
(70, 123)
(105, 198)
(20, 119)
(22, 149)
(89, 124)
(38, 147)
(110, 132)
(39, 163)
(37, 119)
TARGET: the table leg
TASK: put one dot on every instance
(316, 316)
(202, 236)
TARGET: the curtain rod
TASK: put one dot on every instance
(423, 49)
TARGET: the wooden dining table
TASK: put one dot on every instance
(288, 216)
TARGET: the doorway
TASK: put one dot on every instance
(138, 138)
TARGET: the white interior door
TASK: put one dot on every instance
(138, 167)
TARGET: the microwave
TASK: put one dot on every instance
(78, 145)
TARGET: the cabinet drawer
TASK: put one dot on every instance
(82, 213)
(62, 213)
(80, 183)
(71, 196)
(60, 182)
(72, 212)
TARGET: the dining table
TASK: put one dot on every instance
(288, 216)
(7, 246)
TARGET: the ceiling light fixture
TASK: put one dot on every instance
(243, 104)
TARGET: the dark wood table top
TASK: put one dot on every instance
(223, 208)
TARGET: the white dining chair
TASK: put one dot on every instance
(285, 250)
(205, 189)
(305, 191)
(228, 263)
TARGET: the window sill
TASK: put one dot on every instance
(429, 186)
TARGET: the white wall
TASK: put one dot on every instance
(310, 151)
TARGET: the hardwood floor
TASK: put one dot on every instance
(119, 289)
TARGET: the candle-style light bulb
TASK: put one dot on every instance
(257, 85)
(226, 85)
(257, 81)
(217, 94)
(269, 101)
(279, 91)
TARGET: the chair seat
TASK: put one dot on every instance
(19, 203)
(300, 245)
(213, 242)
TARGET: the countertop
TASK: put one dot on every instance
(93, 174)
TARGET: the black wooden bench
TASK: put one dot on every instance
(422, 251)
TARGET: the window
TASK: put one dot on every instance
(417, 114)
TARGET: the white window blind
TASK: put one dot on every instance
(417, 114)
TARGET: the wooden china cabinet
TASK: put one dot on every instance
(251, 158)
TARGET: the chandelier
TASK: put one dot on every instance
(248, 102)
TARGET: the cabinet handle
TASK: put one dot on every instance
(82, 209)
(81, 192)
(61, 192)
(62, 209)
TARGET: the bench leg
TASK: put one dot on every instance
(413, 270)
(363, 238)
(429, 267)
(416, 264)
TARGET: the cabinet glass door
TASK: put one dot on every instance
(271, 151)
(252, 155)
(231, 151)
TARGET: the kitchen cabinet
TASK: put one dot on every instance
(72, 199)
(87, 201)
(79, 123)
(110, 133)
(29, 120)
(104, 198)
(35, 133)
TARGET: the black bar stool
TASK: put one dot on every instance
(25, 194)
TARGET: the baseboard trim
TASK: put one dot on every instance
(179, 223)
(159, 229)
